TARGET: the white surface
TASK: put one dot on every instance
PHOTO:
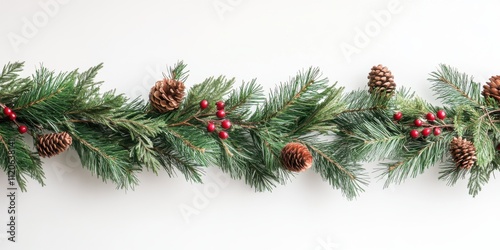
(269, 40)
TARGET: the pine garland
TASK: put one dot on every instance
(117, 137)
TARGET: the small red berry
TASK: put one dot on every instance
(22, 129)
(7, 111)
(414, 134)
(498, 147)
(418, 122)
(226, 124)
(220, 105)
(221, 113)
(437, 131)
(223, 135)
(12, 116)
(211, 127)
(398, 116)
(430, 117)
(204, 104)
(441, 114)
(426, 132)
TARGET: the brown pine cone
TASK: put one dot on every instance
(492, 88)
(53, 144)
(381, 80)
(463, 153)
(166, 95)
(296, 157)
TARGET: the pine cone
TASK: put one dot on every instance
(381, 80)
(53, 144)
(463, 153)
(166, 95)
(296, 157)
(492, 88)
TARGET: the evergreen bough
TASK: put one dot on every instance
(116, 137)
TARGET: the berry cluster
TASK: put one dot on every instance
(221, 113)
(428, 124)
(12, 116)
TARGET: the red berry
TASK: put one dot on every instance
(12, 116)
(204, 104)
(426, 132)
(211, 127)
(226, 124)
(397, 116)
(22, 129)
(498, 147)
(7, 111)
(221, 113)
(430, 117)
(223, 135)
(441, 114)
(220, 105)
(414, 134)
(437, 131)
(418, 122)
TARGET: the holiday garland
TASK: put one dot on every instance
(303, 123)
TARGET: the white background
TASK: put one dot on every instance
(269, 40)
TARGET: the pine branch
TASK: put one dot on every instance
(317, 118)
(45, 102)
(343, 175)
(230, 159)
(144, 154)
(260, 177)
(454, 88)
(291, 100)
(178, 72)
(365, 128)
(242, 101)
(418, 157)
(263, 168)
(212, 90)
(451, 174)
(376, 140)
(462, 119)
(26, 163)
(10, 73)
(110, 161)
(485, 151)
(247, 156)
(415, 108)
(479, 176)
(87, 100)
(171, 158)
(188, 138)
(190, 145)
(11, 86)
(360, 101)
